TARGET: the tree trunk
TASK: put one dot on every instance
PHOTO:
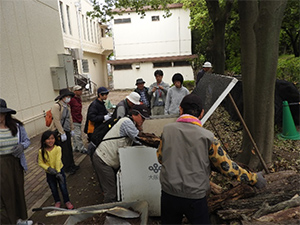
(219, 17)
(260, 27)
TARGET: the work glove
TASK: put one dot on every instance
(18, 150)
(261, 181)
(72, 133)
(51, 171)
(63, 137)
(60, 178)
(107, 117)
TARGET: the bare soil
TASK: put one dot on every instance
(84, 188)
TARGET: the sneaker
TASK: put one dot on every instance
(69, 205)
(57, 204)
(75, 167)
(83, 151)
(24, 222)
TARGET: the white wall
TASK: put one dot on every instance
(30, 41)
(144, 38)
(125, 79)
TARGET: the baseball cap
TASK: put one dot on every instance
(142, 110)
(102, 90)
(77, 88)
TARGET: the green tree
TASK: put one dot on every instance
(290, 33)
(260, 28)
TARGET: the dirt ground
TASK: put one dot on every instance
(84, 188)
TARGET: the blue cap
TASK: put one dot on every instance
(102, 90)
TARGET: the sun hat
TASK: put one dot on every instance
(77, 88)
(4, 109)
(134, 98)
(191, 101)
(142, 110)
(207, 64)
(63, 93)
(102, 90)
(139, 81)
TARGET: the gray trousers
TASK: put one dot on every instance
(107, 179)
(158, 110)
(77, 141)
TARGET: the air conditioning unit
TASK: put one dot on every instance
(76, 53)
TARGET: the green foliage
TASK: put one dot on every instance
(290, 29)
(189, 84)
(288, 69)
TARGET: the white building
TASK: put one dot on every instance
(37, 38)
(143, 45)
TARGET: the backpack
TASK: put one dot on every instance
(49, 117)
(99, 134)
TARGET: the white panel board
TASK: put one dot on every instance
(139, 176)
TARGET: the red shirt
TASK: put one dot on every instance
(76, 107)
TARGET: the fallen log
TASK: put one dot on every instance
(266, 208)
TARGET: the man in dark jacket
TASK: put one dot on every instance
(143, 91)
(125, 106)
(97, 112)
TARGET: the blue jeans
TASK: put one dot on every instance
(52, 181)
(173, 208)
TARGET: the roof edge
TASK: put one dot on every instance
(152, 59)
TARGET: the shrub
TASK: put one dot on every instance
(288, 69)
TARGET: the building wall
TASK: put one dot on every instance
(83, 32)
(31, 38)
(125, 79)
(144, 38)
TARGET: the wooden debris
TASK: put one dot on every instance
(250, 205)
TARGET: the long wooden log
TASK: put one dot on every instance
(266, 209)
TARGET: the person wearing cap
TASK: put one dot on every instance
(14, 140)
(158, 92)
(97, 112)
(187, 152)
(62, 123)
(205, 68)
(106, 157)
(143, 92)
(175, 95)
(76, 108)
(124, 107)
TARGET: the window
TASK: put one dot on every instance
(91, 28)
(62, 16)
(124, 20)
(75, 65)
(162, 64)
(123, 67)
(182, 63)
(87, 29)
(68, 16)
(85, 65)
(95, 34)
(155, 18)
(83, 27)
